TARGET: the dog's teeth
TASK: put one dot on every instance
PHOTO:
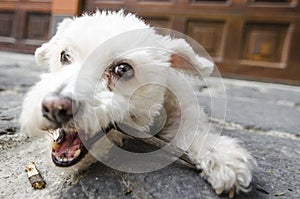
(65, 159)
(77, 153)
(71, 159)
(59, 159)
(55, 146)
(219, 191)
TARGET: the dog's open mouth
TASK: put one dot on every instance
(67, 148)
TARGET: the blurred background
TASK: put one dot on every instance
(254, 39)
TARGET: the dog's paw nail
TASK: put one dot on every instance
(231, 193)
(203, 175)
(219, 191)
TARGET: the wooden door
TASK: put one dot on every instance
(24, 24)
(254, 39)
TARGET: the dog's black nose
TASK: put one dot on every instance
(57, 108)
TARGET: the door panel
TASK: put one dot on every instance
(254, 39)
(24, 24)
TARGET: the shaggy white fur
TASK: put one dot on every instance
(87, 46)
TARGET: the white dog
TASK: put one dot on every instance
(112, 68)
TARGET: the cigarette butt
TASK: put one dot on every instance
(34, 176)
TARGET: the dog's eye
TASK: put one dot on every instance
(124, 71)
(65, 58)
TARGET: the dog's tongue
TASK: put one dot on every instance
(69, 146)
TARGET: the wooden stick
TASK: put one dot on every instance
(159, 143)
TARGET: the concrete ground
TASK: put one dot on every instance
(265, 117)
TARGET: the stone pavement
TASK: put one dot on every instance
(265, 117)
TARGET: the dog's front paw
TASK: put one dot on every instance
(228, 179)
(228, 170)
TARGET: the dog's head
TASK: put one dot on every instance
(105, 69)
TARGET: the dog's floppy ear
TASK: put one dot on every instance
(41, 52)
(184, 58)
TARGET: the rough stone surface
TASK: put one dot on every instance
(256, 105)
(265, 117)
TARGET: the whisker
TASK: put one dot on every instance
(50, 134)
